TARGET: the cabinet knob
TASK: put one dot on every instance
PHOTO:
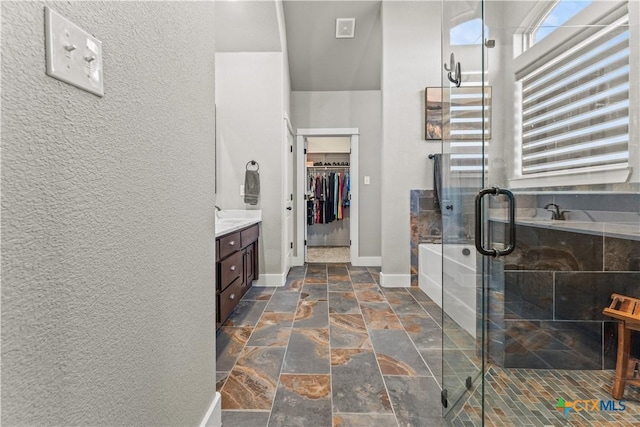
(232, 243)
(232, 296)
(232, 268)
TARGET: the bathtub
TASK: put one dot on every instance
(460, 280)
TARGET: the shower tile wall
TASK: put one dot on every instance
(546, 309)
(426, 226)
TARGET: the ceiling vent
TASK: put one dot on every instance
(345, 28)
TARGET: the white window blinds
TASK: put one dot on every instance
(575, 101)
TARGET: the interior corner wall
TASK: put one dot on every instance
(249, 104)
(351, 109)
(108, 287)
(411, 61)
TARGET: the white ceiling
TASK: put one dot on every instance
(317, 60)
(320, 62)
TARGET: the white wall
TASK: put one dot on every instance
(108, 288)
(249, 102)
(355, 109)
(411, 62)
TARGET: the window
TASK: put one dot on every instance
(560, 13)
(467, 33)
(575, 101)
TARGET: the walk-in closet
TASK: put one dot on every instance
(328, 199)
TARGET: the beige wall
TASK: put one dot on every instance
(108, 289)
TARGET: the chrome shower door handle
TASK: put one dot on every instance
(494, 191)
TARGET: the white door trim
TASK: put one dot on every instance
(301, 218)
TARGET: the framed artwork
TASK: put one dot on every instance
(457, 113)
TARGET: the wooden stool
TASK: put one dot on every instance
(627, 311)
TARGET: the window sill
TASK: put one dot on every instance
(592, 176)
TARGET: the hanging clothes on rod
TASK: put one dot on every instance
(326, 193)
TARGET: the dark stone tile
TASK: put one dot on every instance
(528, 295)
(291, 285)
(283, 302)
(361, 277)
(423, 330)
(396, 353)
(221, 378)
(252, 382)
(246, 313)
(433, 310)
(229, 344)
(415, 400)
(554, 250)
(364, 286)
(621, 254)
(259, 293)
(245, 418)
(316, 272)
(308, 352)
(419, 295)
(375, 273)
(433, 359)
(378, 315)
(364, 420)
(314, 292)
(370, 295)
(348, 331)
(583, 296)
(273, 329)
(357, 384)
(312, 314)
(343, 302)
(357, 269)
(340, 286)
(302, 400)
(338, 270)
(610, 345)
(298, 271)
(402, 301)
(315, 281)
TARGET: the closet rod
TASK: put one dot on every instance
(327, 167)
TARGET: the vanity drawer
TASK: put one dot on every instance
(249, 235)
(230, 269)
(229, 298)
(229, 244)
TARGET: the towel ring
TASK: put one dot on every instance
(252, 163)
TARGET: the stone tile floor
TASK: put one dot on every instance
(332, 347)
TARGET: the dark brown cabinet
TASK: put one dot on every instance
(236, 268)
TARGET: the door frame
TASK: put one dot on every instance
(288, 163)
(300, 211)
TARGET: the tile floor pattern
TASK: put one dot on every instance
(332, 347)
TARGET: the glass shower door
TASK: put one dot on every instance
(559, 163)
(462, 176)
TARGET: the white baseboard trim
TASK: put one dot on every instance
(271, 280)
(213, 417)
(367, 261)
(395, 280)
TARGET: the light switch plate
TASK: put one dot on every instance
(367, 180)
(73, 55)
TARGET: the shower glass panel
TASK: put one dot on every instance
(560, 132)
(462, 172)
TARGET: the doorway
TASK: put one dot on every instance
(326, 196)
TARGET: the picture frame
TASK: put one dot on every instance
(453, 113)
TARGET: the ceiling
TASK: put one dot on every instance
(320, 62)
(317, 60)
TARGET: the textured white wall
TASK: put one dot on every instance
(411, 62)
(351, 109)
(249, 99)
(107, 220)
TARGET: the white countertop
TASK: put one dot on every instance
(228, 221)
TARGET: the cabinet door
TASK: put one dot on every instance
(249, 264)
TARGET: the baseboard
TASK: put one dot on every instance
(271, 280)
(395, 280)
(213, 417)
(367, 261)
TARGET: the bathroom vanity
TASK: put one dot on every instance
(236, 263)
